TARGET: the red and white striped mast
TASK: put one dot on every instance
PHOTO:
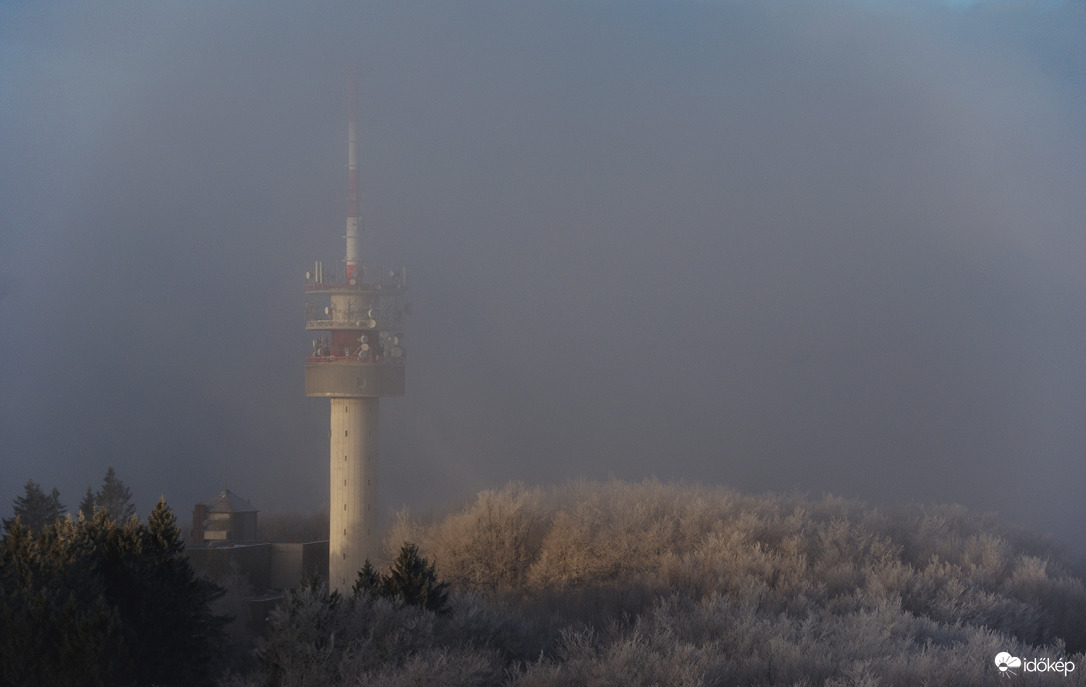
(354, 211)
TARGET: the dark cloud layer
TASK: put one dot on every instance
(818, 246)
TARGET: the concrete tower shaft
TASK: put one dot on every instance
(352, 513)
(358, 358)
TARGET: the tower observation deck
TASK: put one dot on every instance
(357, 357)
(361, 353)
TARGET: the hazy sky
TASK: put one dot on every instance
(818, 246)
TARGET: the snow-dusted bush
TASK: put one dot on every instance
(491, 543)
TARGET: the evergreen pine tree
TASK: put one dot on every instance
(86, 506)
(115, 498)
(413, 580)
(35, 508)
(368, 582)
(169, 588)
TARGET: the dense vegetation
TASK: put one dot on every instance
(660, 584)
(104, 602)
(113, 496)
(36, 509)
(411, 581)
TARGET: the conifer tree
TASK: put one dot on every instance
(165, 586)
(35, 508)
(86, 506)
(368, 582)
(413, 580)
(115, 498)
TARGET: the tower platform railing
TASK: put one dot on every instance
(383, 318)
(313, 287)
(383, 360)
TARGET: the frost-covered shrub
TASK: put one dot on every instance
(317, 638)
(491, 543)
(438, 667)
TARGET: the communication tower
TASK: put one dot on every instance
(357, 358)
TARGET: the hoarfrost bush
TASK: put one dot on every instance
(477, 622)
(491, 543)
(317, 638)
(455, 667)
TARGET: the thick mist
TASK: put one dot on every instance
(825, 247)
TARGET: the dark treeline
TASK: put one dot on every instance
(87, 602)
(36, 509)
(100, 598)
